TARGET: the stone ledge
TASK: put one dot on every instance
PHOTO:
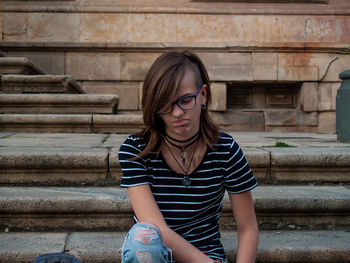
(309, 165)
(165, 46)
(39, 84)
(51, 158)
(316, 165)
(233, 9)
(49, 166)
(58, 103)
(71, 123)
(18, 65)
(259, 161)
(70, 200)
(117, 123)
(80, 123)
(108, 208)
(309, 157)
(274, 246)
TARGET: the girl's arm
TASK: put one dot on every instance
(247, 227)
(147, 210)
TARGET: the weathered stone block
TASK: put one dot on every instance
(320, 29)
(343, 29)
(128, 92)
(344, 62)
(96, 247)
(327, 96)
(306, 118)
(93, 66)
(302, 157)
(15, 26)
(117, 123)
(134, 66)
(264, 66)
(204, 28)
(309, 164)
(39, 84)
(75, 123)
(324, 97)
(257, 28)
(331, 72)
(31, 245)
(59, 103)
(239, 120)
(1, 24)
(259, 161)
(280, 117)
(228, 66)
(53, 26)
(21, 65)
(50, 62)
(114, 167)
(308, 98)
(140, 95)
(326, 122)
(307, 66)
(328, 66)
(309, 129)
(297, 67)
(218, 94)
(104, 27)
(52, 166)
(304, 175)
(153, 27)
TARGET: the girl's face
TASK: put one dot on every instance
(182, 124)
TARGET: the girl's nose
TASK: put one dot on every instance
(177, 111)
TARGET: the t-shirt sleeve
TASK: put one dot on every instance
(134, 170)
(238, 174)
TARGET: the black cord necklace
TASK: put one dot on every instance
(182, 141)
(183, 148)
(186, 181)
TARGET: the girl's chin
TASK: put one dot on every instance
(180, 132)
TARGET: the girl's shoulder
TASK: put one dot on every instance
(133, 142)
(225, 139)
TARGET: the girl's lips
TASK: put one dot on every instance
(179, 122)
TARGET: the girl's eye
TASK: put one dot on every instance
(186, 100)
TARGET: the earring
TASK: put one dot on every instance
(204, 106)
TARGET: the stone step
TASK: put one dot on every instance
(95, 247)
(39, 84)
(108, 208)
(70, 123)
(58, 103)
(92, 159)
(18, 65)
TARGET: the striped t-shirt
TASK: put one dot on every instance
(192, 211)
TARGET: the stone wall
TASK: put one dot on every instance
(281, 60)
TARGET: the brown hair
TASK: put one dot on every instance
(160, 86)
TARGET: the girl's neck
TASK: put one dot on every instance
(181, 139)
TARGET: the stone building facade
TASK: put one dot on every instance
(274, 64)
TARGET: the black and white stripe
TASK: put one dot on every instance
(194, 211)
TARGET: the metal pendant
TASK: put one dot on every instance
(186, 181)
(183, 156)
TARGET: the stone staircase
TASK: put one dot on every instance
(60, 192)
(32, 101)
(59, 179)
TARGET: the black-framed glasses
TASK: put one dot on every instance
(187, 102)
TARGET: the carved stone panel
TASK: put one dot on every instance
(262, 95)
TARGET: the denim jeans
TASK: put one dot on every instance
(143, 243)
